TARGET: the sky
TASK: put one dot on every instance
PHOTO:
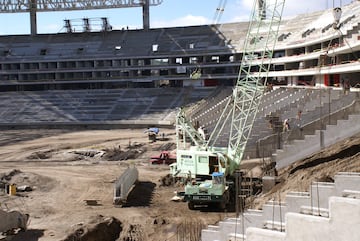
(169, 14)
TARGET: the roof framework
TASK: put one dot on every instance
(34, 6)
(16, 6)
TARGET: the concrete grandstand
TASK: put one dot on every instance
(141, 77)
(314, 53)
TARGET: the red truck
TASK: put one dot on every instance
(165, 157)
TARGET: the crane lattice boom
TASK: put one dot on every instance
(241, 110)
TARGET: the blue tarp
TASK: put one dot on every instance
(153, 129)
(218, 174)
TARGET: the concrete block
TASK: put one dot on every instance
(213, 227)
(236, 237)
(349, 181)
(306, 227)
(320, 193)
(210, 235)
(253, 218)
(351, 194)
(294, 200)
(274, 212)
(274, 225)
(257, 234)
(230, 226)
(314, 211)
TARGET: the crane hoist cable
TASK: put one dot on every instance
(334, 3)
(219, 11)
(196, 73)
(337, 25)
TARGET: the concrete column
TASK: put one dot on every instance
(33, 8)
(319, 81)
(146, 15)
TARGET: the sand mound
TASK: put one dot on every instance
(99, 228)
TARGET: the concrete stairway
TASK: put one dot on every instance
(341, 223)
(299, 149)
(282, 103)
(327, 206)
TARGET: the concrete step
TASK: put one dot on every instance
(276, 226)
(315, 211)
(351, 194)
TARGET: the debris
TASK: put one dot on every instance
(89, 153)
(99, 228)
(176, 199)
(91, 202)
(24, 188)
(116, 154)
(8, 176)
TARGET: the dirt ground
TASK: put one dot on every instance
(65, 169)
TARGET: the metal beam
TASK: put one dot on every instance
(34, 6)
(146, 15)
(33, 25)
(17, 6)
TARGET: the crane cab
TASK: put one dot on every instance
(198, 164)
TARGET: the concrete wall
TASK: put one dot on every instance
(347, 181)
(264, 235)
(343, 224)
(312, 143)
(124, 184)
(307, 210)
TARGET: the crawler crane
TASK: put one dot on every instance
(208, 169)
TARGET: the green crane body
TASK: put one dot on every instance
(208, 170)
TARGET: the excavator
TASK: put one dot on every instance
(206, 167)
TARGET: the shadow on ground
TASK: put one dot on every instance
(29, 235)
(140, 195)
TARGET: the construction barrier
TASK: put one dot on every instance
(12, 189)
(124, 184)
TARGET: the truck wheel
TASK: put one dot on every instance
(222, 205)
(191, 205)
(10, 232)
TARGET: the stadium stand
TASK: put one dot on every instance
(128, 77)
